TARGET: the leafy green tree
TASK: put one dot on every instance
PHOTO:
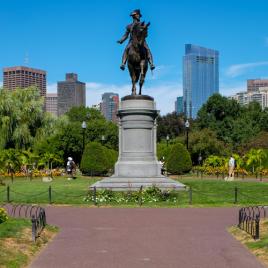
(21, 117)
(260, 141)
(81, 113)
(206, 143)
(234, 124)
(170, 124)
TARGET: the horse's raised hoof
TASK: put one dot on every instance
(122, 67)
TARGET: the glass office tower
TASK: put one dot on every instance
(200, 77)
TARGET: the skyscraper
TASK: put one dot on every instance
(109, 106)
(23, 77)
(200, 77)
(179, 105)
(71, 92)
(52, 103)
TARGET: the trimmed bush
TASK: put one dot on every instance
(179, 160)
(3, 215)
(95, 160)
(163, 150)
(112, 156)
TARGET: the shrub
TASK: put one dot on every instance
(94, 160)
(3, 215)
(179, 160)
(163, 150)
(111, 157)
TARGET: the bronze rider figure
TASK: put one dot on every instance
(136, 15)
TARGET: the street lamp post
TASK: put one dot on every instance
(102, 139)
(167, 139)
(187, 126)
(84, 126)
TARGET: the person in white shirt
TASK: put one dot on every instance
(231, 165)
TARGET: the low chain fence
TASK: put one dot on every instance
(249, 219)
(190, 196)
(223, 174)
(36, 214)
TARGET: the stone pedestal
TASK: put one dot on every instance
(137, 163)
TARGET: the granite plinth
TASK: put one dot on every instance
(134, 184)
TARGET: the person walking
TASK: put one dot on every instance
(70, 168)
(231, 166)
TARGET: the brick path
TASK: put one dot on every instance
(144, 237)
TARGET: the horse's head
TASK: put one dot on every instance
(139, 33)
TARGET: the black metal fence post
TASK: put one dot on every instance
(257, 222)
(235, 195)
(95, 195)
(33, 228)
(140, 196)
(190, 195)
(50, 194)
(8, 194)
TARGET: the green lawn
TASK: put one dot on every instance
(205, 192)
(16, 247)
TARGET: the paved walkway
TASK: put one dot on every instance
(144, 237)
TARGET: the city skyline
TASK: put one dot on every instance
(95, 56)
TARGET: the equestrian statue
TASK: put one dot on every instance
(137, 54)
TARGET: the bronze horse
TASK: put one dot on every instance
(137, 56)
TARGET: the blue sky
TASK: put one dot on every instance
(80, 36)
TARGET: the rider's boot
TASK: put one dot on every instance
(150, 59)
(152, 67)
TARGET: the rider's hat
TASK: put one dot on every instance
(136, 11)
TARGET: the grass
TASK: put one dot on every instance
(16, 247)
(258, 247)
(205, 192)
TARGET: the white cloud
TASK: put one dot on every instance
(238, 69)
(1, 83)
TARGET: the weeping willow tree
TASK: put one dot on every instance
(22, 118)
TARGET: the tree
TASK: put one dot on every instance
(260, 141)
(206, 143)
(21, 117)
(234, 124)
(170, 124)
(81, 113)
